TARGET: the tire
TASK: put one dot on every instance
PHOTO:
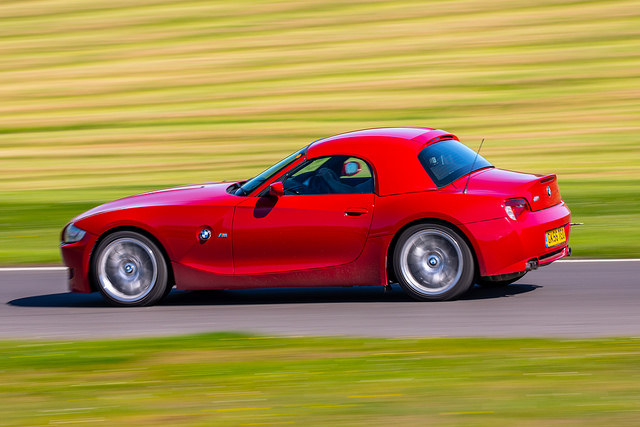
(130, 270)
(432, 262)
(499, 281)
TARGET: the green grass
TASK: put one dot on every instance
(241, 380)
(103, 99)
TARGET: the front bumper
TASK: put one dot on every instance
(504, 246)
(76, 256)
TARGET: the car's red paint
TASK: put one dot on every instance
(330, 239)
(276, 235)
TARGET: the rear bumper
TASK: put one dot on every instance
(504, 246)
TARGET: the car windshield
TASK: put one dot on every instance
(445, 161)
(257, 181)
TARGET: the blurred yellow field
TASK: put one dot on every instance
(102, 99)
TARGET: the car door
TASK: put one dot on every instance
(321, 221)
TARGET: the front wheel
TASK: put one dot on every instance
(433, 263)
(130, 270)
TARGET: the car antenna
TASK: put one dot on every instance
(472, 165)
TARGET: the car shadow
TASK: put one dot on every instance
(66, 299)
(363, 294)
(477, 292)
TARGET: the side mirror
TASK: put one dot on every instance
(276, 189)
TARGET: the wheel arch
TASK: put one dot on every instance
(390, 270)
(133, 229)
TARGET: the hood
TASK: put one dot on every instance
(541, 191)
(184, 195)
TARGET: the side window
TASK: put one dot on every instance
(330, 175)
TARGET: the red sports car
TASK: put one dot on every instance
(372, 207)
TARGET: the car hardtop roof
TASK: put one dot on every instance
(415, 137)
(387, 150)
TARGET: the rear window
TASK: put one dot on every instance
(446, 161)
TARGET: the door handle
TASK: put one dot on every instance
(356, 211)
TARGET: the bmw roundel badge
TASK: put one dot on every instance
(205, 234)
(548, 191)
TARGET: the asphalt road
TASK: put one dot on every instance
(569, 299)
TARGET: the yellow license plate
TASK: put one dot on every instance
(554, 237)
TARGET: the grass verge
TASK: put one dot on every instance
(241, 380)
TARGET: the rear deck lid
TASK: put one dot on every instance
(541, 191)
(544, 193)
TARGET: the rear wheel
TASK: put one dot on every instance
(433, 263)
(130, 270)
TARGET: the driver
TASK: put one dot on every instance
(328, 179)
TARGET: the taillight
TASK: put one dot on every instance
(515, 207)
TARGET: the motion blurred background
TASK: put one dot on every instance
(104, 99)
